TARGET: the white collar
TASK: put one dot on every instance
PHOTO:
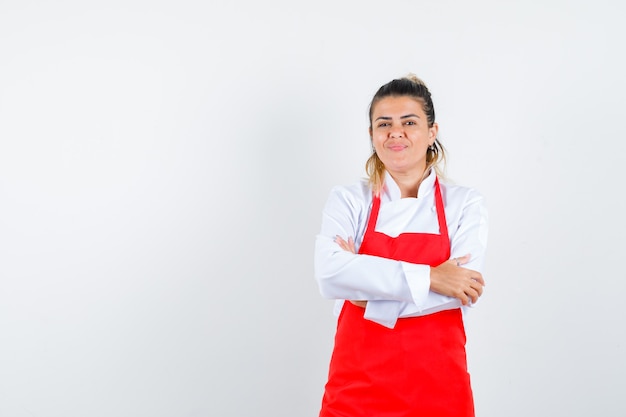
(392, 191)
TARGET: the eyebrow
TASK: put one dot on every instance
(402, 117)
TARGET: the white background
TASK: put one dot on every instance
(163, 167)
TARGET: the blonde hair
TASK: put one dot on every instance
(409, 86)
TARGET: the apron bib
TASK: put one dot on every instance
(419, 367)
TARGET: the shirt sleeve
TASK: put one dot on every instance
(343, 275)
(471, 235)
(387, 312)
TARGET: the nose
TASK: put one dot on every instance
(396, 131)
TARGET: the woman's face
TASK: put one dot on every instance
(401, 136)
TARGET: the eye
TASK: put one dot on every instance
(383, 124)
(409, 123)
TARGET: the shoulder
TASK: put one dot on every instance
(357, 195)
(460, 194)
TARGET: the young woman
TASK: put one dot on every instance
(401, 252)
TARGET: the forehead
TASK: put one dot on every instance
(398, 105)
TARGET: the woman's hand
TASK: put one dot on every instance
(452, 280)
(349, 246)
(346, 245)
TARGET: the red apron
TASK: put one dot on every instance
(419, 367)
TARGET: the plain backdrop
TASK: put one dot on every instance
(164, 164)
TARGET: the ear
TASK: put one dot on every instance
(432, 133)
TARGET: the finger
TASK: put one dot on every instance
(463, 298)
(339, 240)
(351, 245)
(359, 303)
(477, 276)
(465, 258)
(473, 295)
(347, 246)
(462, 260)
(478, 288)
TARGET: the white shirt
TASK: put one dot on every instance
(393, 288)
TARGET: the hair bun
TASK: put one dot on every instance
(415, 79)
